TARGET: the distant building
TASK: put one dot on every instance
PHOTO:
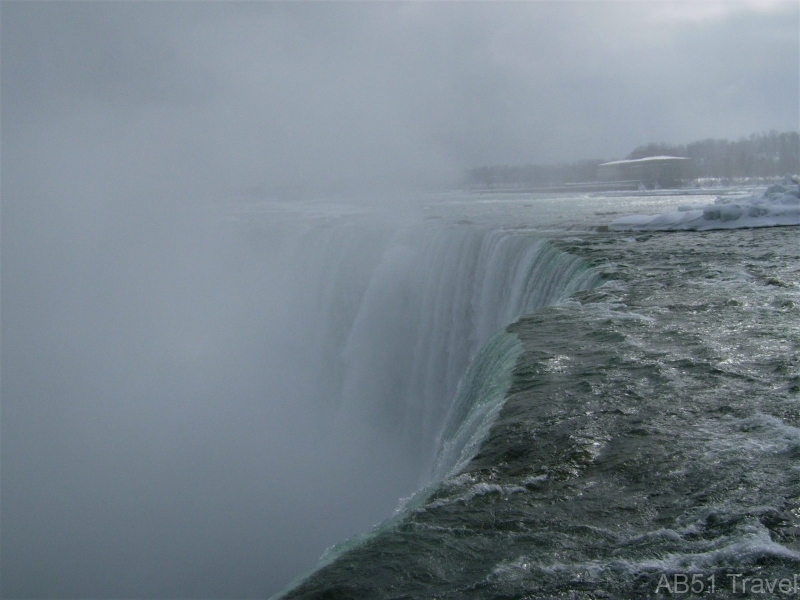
(651, 172)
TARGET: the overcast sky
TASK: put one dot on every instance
(241, 94)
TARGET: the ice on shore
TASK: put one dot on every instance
(776, 205)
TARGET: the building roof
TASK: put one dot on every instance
(641, 160)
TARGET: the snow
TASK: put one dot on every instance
(776, 205)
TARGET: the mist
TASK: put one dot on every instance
(313, 97)
(162, 434)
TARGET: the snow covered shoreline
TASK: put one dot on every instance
(770, 207)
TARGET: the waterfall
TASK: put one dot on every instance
(410, 346)
(397, 315)
(480, 397)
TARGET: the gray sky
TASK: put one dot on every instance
(238, 94)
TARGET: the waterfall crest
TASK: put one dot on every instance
(397, 316)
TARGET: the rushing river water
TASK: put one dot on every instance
(648, 442)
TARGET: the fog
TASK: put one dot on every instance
(209, 96)
(160, 433)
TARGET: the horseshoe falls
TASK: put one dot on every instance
(398, 333)
(479, 396)
(629, 432)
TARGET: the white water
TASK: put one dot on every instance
(392, 317)
(480, 397)
(396, 314)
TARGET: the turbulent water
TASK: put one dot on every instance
(632, 439)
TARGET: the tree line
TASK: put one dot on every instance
(770, 154)
(762, 155)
